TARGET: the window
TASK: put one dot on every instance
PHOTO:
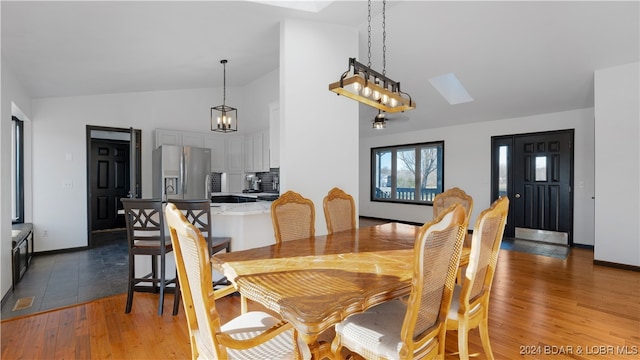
(407, 173)
(17, 170)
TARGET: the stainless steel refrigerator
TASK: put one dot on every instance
(181, 172)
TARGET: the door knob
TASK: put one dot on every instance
(517, 196)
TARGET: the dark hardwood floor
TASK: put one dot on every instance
(541, 308)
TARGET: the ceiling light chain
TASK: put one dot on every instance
(369, 32)
(371, 87)
(224, 81)
(384, 38)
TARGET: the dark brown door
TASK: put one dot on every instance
(542, 178)
(110, 173)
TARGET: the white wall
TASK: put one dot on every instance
(467, 164)
(14, 100)
(59, 150)
(254, 115)
(617, 125)
(318, 129)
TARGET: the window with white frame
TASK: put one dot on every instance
(407, 173)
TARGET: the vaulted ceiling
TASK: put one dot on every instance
(515, 58)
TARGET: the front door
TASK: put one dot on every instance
(536, 171)
(110, 171)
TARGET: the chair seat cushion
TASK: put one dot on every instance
(375, 333)
(253, 323)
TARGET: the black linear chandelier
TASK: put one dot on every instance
(224, 118)
(370, 87)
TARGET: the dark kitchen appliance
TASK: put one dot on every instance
(21, 251)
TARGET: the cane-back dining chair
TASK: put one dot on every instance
(416, 328)
(198, 213)
(451, 196)
(339, 211)
(254, 335)
(447, 198)
(470, 305)
(144, 221)
(293, 217)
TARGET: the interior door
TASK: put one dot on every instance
(542, 178)
(110, 171)
(134, 167)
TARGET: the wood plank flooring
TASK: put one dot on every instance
(541, 307)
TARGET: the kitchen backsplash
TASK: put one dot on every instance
(216, 182)
(270, 180)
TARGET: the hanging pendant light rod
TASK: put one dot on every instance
(224, 118)
(371, 87)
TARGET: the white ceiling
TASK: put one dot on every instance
(515, 58)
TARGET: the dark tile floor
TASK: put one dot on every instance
(64, 279)
(536, 247)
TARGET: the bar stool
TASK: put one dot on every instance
(146, 236)
(198, 213)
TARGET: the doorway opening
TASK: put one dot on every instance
(113, 172)
(535, 171)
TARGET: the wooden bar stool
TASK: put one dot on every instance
(146, 236)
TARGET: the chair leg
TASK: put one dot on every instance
(162, 285)
(243, 304)
(176, 296)
(132, 267)
(483, 327)
(463, 340)
(154, 273)
(336, 348)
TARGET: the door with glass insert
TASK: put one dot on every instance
(542, 169)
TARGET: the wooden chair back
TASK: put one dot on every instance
(485, 246)
(254, 335)
(470, 307)
(451, 196)
(198, 213)
(293, 217)
(144, 225)
(339, 211)
(437, 255)
(194, 273)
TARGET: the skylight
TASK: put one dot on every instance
(451, 88)
(310, 6)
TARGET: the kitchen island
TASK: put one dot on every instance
(247, 223)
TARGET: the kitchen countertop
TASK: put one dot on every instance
(240, 209)
(249, 208)
(248, 195)
(19, 232)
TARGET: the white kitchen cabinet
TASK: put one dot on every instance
(192, 139)
(274, 134)
(257, 152)
(255, 157)
(218, 147)
(266, 153)
(234, 154)
(179, 138)
(248, 154)
(168, 137)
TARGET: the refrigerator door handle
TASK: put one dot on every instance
(207, 185)
(183, 174)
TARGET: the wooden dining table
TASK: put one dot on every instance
(315, 283)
